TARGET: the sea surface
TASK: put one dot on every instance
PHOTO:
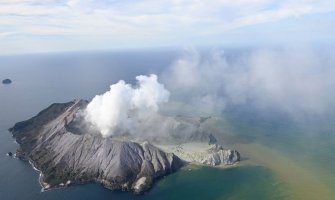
(281, 159)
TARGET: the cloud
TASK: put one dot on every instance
(146, 21)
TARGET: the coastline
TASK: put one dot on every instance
(193, 152)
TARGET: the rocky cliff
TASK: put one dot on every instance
(68, 157)
(217, 155)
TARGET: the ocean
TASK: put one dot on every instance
(281, 159)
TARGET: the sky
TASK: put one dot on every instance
(29, 26)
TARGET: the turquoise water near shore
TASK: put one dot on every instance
(282, 159)
(244, 182)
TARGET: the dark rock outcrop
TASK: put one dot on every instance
(6, 81)
(212, 139)
(64, 157)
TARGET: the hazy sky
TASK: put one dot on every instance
(66, 25)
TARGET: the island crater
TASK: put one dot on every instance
(65, 154)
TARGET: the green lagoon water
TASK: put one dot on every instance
(299, 154)
(278, 162)
(245, 182)
(281, 159)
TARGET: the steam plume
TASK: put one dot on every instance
(123, 107)
(295, 81)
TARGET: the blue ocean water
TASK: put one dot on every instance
(38, 81)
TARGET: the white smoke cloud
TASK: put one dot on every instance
(296, 81)
(124, 107)
(293, 81)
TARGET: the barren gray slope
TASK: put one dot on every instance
(64, 157)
